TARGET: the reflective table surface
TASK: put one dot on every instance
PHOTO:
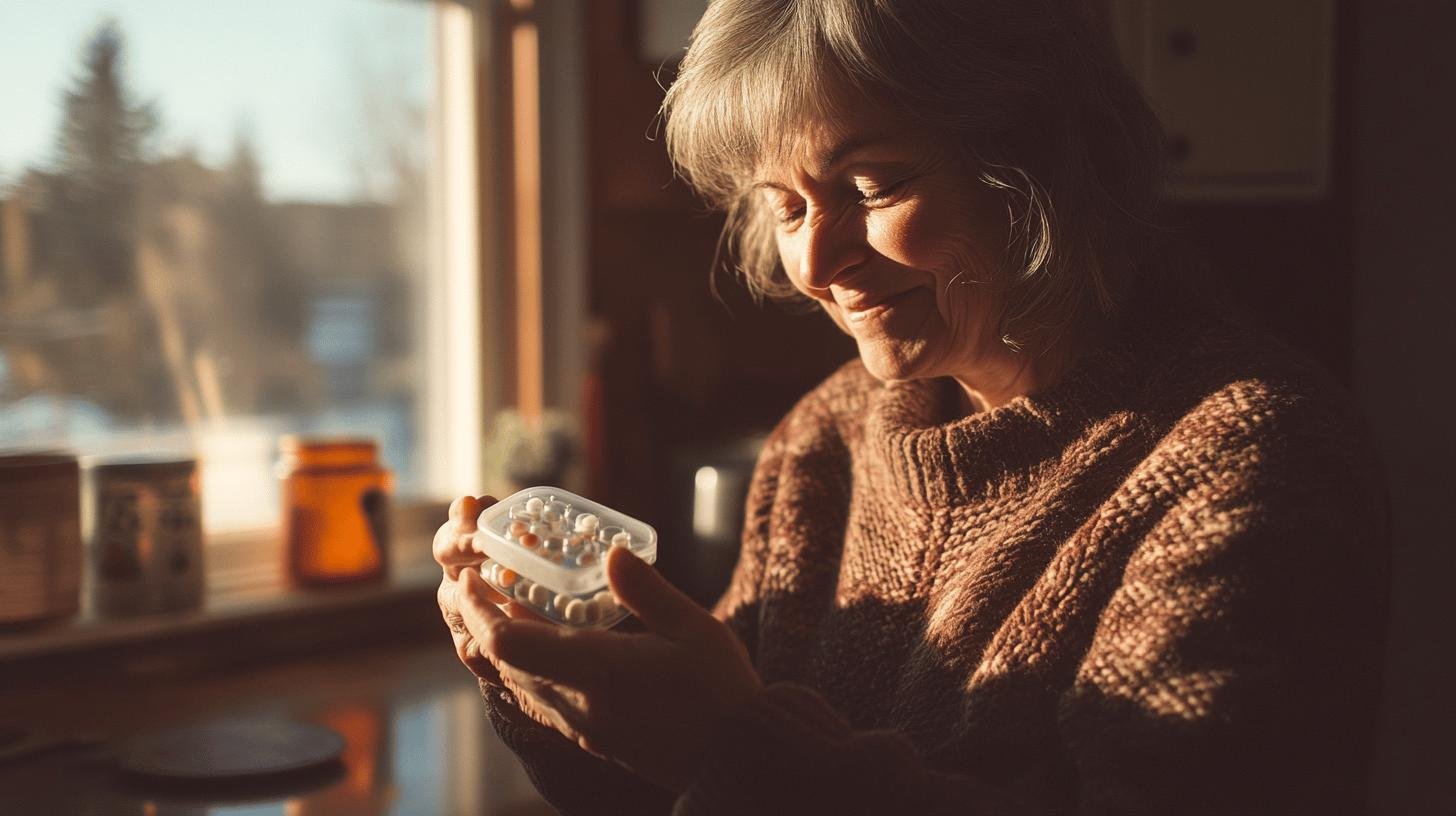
(416, 739)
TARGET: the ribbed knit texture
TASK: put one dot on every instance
(1156, 587)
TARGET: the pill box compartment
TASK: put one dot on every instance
(545, 547)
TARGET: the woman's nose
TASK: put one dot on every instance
(831, 245)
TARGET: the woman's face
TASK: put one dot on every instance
(891, 234)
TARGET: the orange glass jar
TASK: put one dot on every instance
(335, 510)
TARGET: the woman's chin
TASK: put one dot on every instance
(887, 362)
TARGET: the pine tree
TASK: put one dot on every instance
(96, 175)
(89, 224)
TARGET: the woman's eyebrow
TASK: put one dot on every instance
(850, 146)
(838, 155)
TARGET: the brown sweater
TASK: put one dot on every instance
(1156, 587)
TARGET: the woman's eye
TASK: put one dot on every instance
(788, 215)
(879, 196)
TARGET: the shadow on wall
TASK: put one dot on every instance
(1404, 173)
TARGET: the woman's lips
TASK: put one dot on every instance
(862, 309)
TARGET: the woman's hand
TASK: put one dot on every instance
(650, 701)
(455, 552)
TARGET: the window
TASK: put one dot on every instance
(222, 222)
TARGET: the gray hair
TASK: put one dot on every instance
(1028, 90)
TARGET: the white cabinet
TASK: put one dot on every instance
(1243, 88)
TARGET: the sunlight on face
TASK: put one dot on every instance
(896, 239)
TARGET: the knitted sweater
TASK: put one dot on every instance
(1157, 586)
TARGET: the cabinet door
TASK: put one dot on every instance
(1243, 88)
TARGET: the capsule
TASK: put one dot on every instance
(523, 589)
(530, 541)
(576, 611)
(539, 596)
(519, 528)
(587, 523)
(508, 578)
(622, 539)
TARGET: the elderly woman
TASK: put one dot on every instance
(1061, 540)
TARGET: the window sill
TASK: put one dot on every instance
(250, 614)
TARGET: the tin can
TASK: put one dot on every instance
(40, 536)
(145, 518)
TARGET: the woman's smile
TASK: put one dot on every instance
(861, 309)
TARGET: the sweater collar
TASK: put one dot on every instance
(930, 461)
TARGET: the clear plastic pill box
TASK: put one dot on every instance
(545, 548)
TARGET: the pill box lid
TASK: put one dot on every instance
(493, 539)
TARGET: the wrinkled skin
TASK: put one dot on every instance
(651, 701)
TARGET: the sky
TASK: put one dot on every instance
(290, 73)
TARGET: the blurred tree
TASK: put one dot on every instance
(99, 158)
(89, 219)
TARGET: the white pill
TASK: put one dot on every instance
(494, 573)
(587, 523)
(534, 505)
(559, 603)
(622, 539)
(540, 528)
(523, 589)
(539, 596)
(604, 602)
(576, 611)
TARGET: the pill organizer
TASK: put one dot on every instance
(545, 547)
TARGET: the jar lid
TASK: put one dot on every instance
(142, 465)
(21, 464)
(290, 443)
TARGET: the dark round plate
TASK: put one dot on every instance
(230, 749)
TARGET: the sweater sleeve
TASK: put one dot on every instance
(1231, 669)
(570, 779)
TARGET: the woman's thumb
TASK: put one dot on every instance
(643, 591)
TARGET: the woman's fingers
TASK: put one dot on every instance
(568, 657)
(467, 648)
(453, 546)
(478, 607)
(660, 606)
(466, 509)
